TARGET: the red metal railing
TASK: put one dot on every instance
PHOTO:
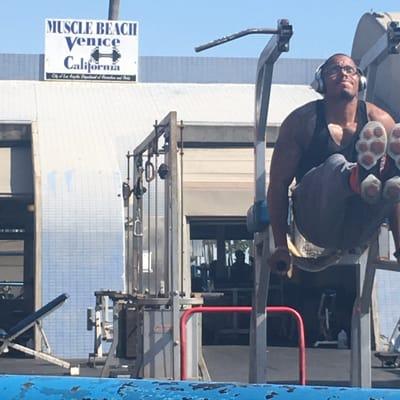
(270, 310)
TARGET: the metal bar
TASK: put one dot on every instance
(369, 93)
(148, 232)
(128, 265)
(113, 10)
(368, 284)
(175, 225)
(137, 241)
(234, 36)
(387, 44)
(258, 320)
(156, 221)
(105, 372)
(360, 371)
(240, 309)
(50, 387)
(43, 356)
(181, 214)
(387, 265)
(11, 283)
(276, 45)
(44, 337)
(375, 54)
(157, 132)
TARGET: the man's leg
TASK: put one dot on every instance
(329, 213)
(339, 204)
(320, 199)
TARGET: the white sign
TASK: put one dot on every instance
(91, 50)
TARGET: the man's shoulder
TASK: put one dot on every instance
(301, 120)
(304, 111)
(376, 113)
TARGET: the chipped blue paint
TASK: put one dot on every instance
(24, 387)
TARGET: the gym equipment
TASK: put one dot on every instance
(8, 339)
(389, 358)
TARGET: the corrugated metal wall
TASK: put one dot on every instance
(178, 69)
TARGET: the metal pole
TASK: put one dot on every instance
(113, 10)
(175, 239)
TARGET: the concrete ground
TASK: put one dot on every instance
(326, 367)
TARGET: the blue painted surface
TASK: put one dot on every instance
(39, 387)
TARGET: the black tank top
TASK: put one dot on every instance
(323, 146)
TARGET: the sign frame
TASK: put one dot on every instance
(94, 50)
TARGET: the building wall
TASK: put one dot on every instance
(219, 182)
(178, 69)
(83, 132)
(80, 212)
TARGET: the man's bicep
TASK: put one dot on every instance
(377, 114)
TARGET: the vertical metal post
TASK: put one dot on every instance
(360, 371)
(137, 248)
(258, 321)
(181, 206)
(175, 227)
(258, 325)
(128, 229)
(113, 10)
(371, 76)
(263, 90)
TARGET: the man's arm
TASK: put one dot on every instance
(285, 159)
(377, 114)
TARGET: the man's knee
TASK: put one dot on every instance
(336, 159)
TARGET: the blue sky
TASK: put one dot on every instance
(175, 27)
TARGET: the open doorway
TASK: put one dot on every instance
(17, 255)
(215, 244)
(221, 271)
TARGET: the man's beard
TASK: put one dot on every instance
(345, 95)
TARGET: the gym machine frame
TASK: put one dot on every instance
(366, 261)
(175, 287)
(377, 256)
(257, 215)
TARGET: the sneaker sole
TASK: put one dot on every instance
(371, 147)
(391, 189)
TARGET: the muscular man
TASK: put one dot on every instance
(342, 152)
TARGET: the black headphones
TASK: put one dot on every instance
(320, 86)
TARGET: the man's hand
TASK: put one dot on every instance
(280, 261)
